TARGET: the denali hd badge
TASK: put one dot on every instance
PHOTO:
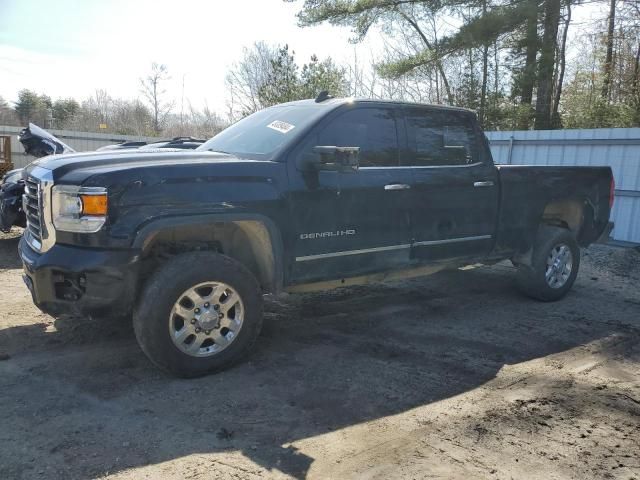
(337, 233)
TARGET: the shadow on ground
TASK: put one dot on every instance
(324, 362)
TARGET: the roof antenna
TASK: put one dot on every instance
(322, 96)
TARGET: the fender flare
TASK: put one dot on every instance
(150, 229)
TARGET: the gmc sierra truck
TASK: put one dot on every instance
(307, 195)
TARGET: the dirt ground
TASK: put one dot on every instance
(451, 376)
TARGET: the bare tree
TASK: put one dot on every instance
(102, 103)
(247, 77)
(362, 79)
(424, 83)
(94, 112)
(194, 122)
(430, 45)
(130, 117)
(8, 116)
(155, 94)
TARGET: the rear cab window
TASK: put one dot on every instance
(440, 138)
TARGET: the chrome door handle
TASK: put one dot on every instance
(483, 184)
(397, 186)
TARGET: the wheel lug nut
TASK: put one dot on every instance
(197, 310)
(198, 330)
(207, 332)
(206, 305)
(216, 307)
(193, 321)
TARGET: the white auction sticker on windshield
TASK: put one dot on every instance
(280, 126)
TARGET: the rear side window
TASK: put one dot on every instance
(371, 129)
(440, 138)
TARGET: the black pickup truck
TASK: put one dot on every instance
(300, 196)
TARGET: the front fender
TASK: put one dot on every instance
(146, 234)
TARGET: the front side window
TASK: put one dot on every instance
(371, 129)
(440, 138)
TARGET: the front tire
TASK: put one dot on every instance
(554, 265)
(200, 313)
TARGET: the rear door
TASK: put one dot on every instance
(455, 190)
(351, 223)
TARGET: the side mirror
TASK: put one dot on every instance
(341, 159)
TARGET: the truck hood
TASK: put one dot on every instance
(112, 161)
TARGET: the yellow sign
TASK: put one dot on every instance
(103, 126)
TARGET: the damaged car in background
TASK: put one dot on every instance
(11, 190)
(39, 143)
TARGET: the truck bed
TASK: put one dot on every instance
(529, 193)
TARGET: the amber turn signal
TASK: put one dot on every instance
(94, 204)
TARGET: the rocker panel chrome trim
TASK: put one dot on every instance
(390, 247)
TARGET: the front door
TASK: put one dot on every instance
(455, 190)
(355, 223)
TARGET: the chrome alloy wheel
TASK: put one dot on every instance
(206, 319)
(559, 265)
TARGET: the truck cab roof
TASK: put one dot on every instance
(336, 102)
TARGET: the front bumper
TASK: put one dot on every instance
(80, 281)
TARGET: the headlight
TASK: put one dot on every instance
(78, 209)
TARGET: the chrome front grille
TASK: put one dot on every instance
(36, 203)
(31, 207)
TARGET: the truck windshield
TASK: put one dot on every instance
(261, 134)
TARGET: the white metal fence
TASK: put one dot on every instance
(618, 148)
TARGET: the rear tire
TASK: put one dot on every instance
(200, 313)
(554, 265)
